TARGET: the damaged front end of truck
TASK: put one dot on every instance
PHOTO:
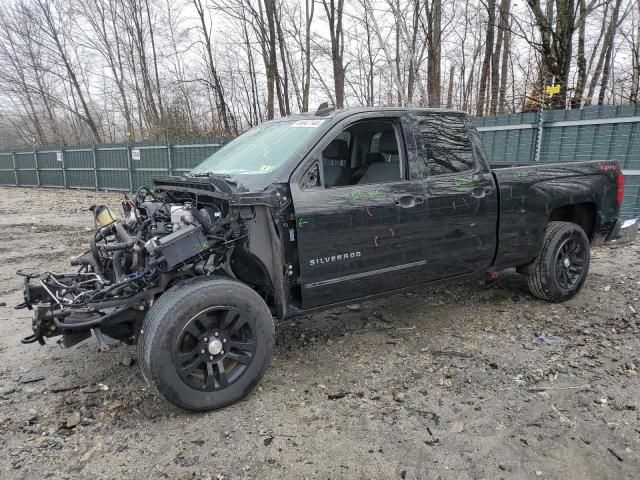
(185, 227)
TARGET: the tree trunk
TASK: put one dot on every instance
(271, 60)
(556, 43)
(285, 70)
(581, 60)
(597, 71)
(486, 63)
(635, 64)
(452, 72)
(434, 52)
(336, 32)
(155, 58)
(610, 46)
(506, 57)
(309, 8)
(503, 26)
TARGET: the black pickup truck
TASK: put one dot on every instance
(306, 213)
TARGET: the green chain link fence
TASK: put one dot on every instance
(592, 133)
(104, 167)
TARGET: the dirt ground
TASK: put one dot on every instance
(449, 382)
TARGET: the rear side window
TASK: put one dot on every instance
(442, 144)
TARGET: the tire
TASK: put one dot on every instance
(206, 343)
(562, 267)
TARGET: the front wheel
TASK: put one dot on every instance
(206, 343)
(562, 266)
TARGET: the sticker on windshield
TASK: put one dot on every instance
(307, 123)
(266, 168)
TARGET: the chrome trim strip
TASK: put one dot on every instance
(355, 276)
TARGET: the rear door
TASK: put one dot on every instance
(445, 155)
(364, 236)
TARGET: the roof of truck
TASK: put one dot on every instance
(336, 114)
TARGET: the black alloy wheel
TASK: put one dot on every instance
(561, 269)
(214, 348)
(570, 261)
(206, 342)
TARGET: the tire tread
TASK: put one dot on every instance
(541, 270)
(162, 308)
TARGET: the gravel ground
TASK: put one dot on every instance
(449, 382)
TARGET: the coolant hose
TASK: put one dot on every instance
(96, 256)
(118, 270)
(126, 241)
(123, 235)
(206, 225)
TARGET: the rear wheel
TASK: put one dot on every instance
(562, 267)
(206, 343)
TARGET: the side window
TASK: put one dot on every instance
(443, 145)
(373, 147)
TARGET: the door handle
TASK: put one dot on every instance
(408, 201)
(481, 192)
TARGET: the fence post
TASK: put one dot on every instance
(64, 171)
(15, 167)
(169, 162)
(539, 135)
(129, 168)
(35, 159)
(95, 166)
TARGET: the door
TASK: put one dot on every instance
(460, 233)
(358, 230)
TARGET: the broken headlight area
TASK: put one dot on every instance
(161, 239)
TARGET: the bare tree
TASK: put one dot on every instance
(308, 15)
(503, 28)
(336, 33)
(52, 26)
(609, 47)
(486, 63)
(214, 80)
(433, 12)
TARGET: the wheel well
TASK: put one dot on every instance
(583, 214)
(250, 270)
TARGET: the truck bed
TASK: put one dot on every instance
(532, 194)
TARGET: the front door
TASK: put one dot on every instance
(360, 230)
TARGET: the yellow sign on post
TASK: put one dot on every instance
(553, 90)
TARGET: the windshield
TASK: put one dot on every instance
(259, 151)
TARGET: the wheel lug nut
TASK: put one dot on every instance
(222, 352)
(224, 340)
(206, 339)
(211, 357)
(216, 334)
(202, 352)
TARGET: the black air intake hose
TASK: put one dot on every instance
(126, 241)
(206, 225)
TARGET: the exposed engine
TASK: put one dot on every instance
(162, 238)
